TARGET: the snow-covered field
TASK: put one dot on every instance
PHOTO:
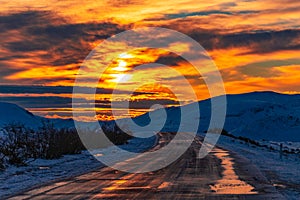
(16, 179)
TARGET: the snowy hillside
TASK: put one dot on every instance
(258, 115)
(12, 113)
(264, 115)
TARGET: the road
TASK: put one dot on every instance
(220, 175)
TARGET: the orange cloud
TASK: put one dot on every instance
(45, 42)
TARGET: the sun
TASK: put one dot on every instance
(119, 71)
(122, 66)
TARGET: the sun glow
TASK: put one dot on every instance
(126, 55)
(253, 43)
(121, 78)
(121, 67)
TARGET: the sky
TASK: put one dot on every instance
(255, 44)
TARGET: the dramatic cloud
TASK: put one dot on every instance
(266, 68)
(255, 44)
(42, 40)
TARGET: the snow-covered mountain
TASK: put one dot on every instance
(12, 113)
(264, 115)
(257, 115)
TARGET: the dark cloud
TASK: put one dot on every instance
(11, 57)
(57, 42)
(64, 44)
(259, 41)
(170, 59)
(188, 77)
(267, 42)
(144, 93)
(206, 37)
(263, 69)
(18, 89)
(262, 42)
(6, 70)
(15, 89)
(147, 103)
(18, 21)
(56, 90)
(201, 13)
(223, 10)
(55, 102)
(41, 102)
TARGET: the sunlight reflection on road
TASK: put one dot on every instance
(230, 182)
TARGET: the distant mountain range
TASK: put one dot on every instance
(12, 113)
(257, 115)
